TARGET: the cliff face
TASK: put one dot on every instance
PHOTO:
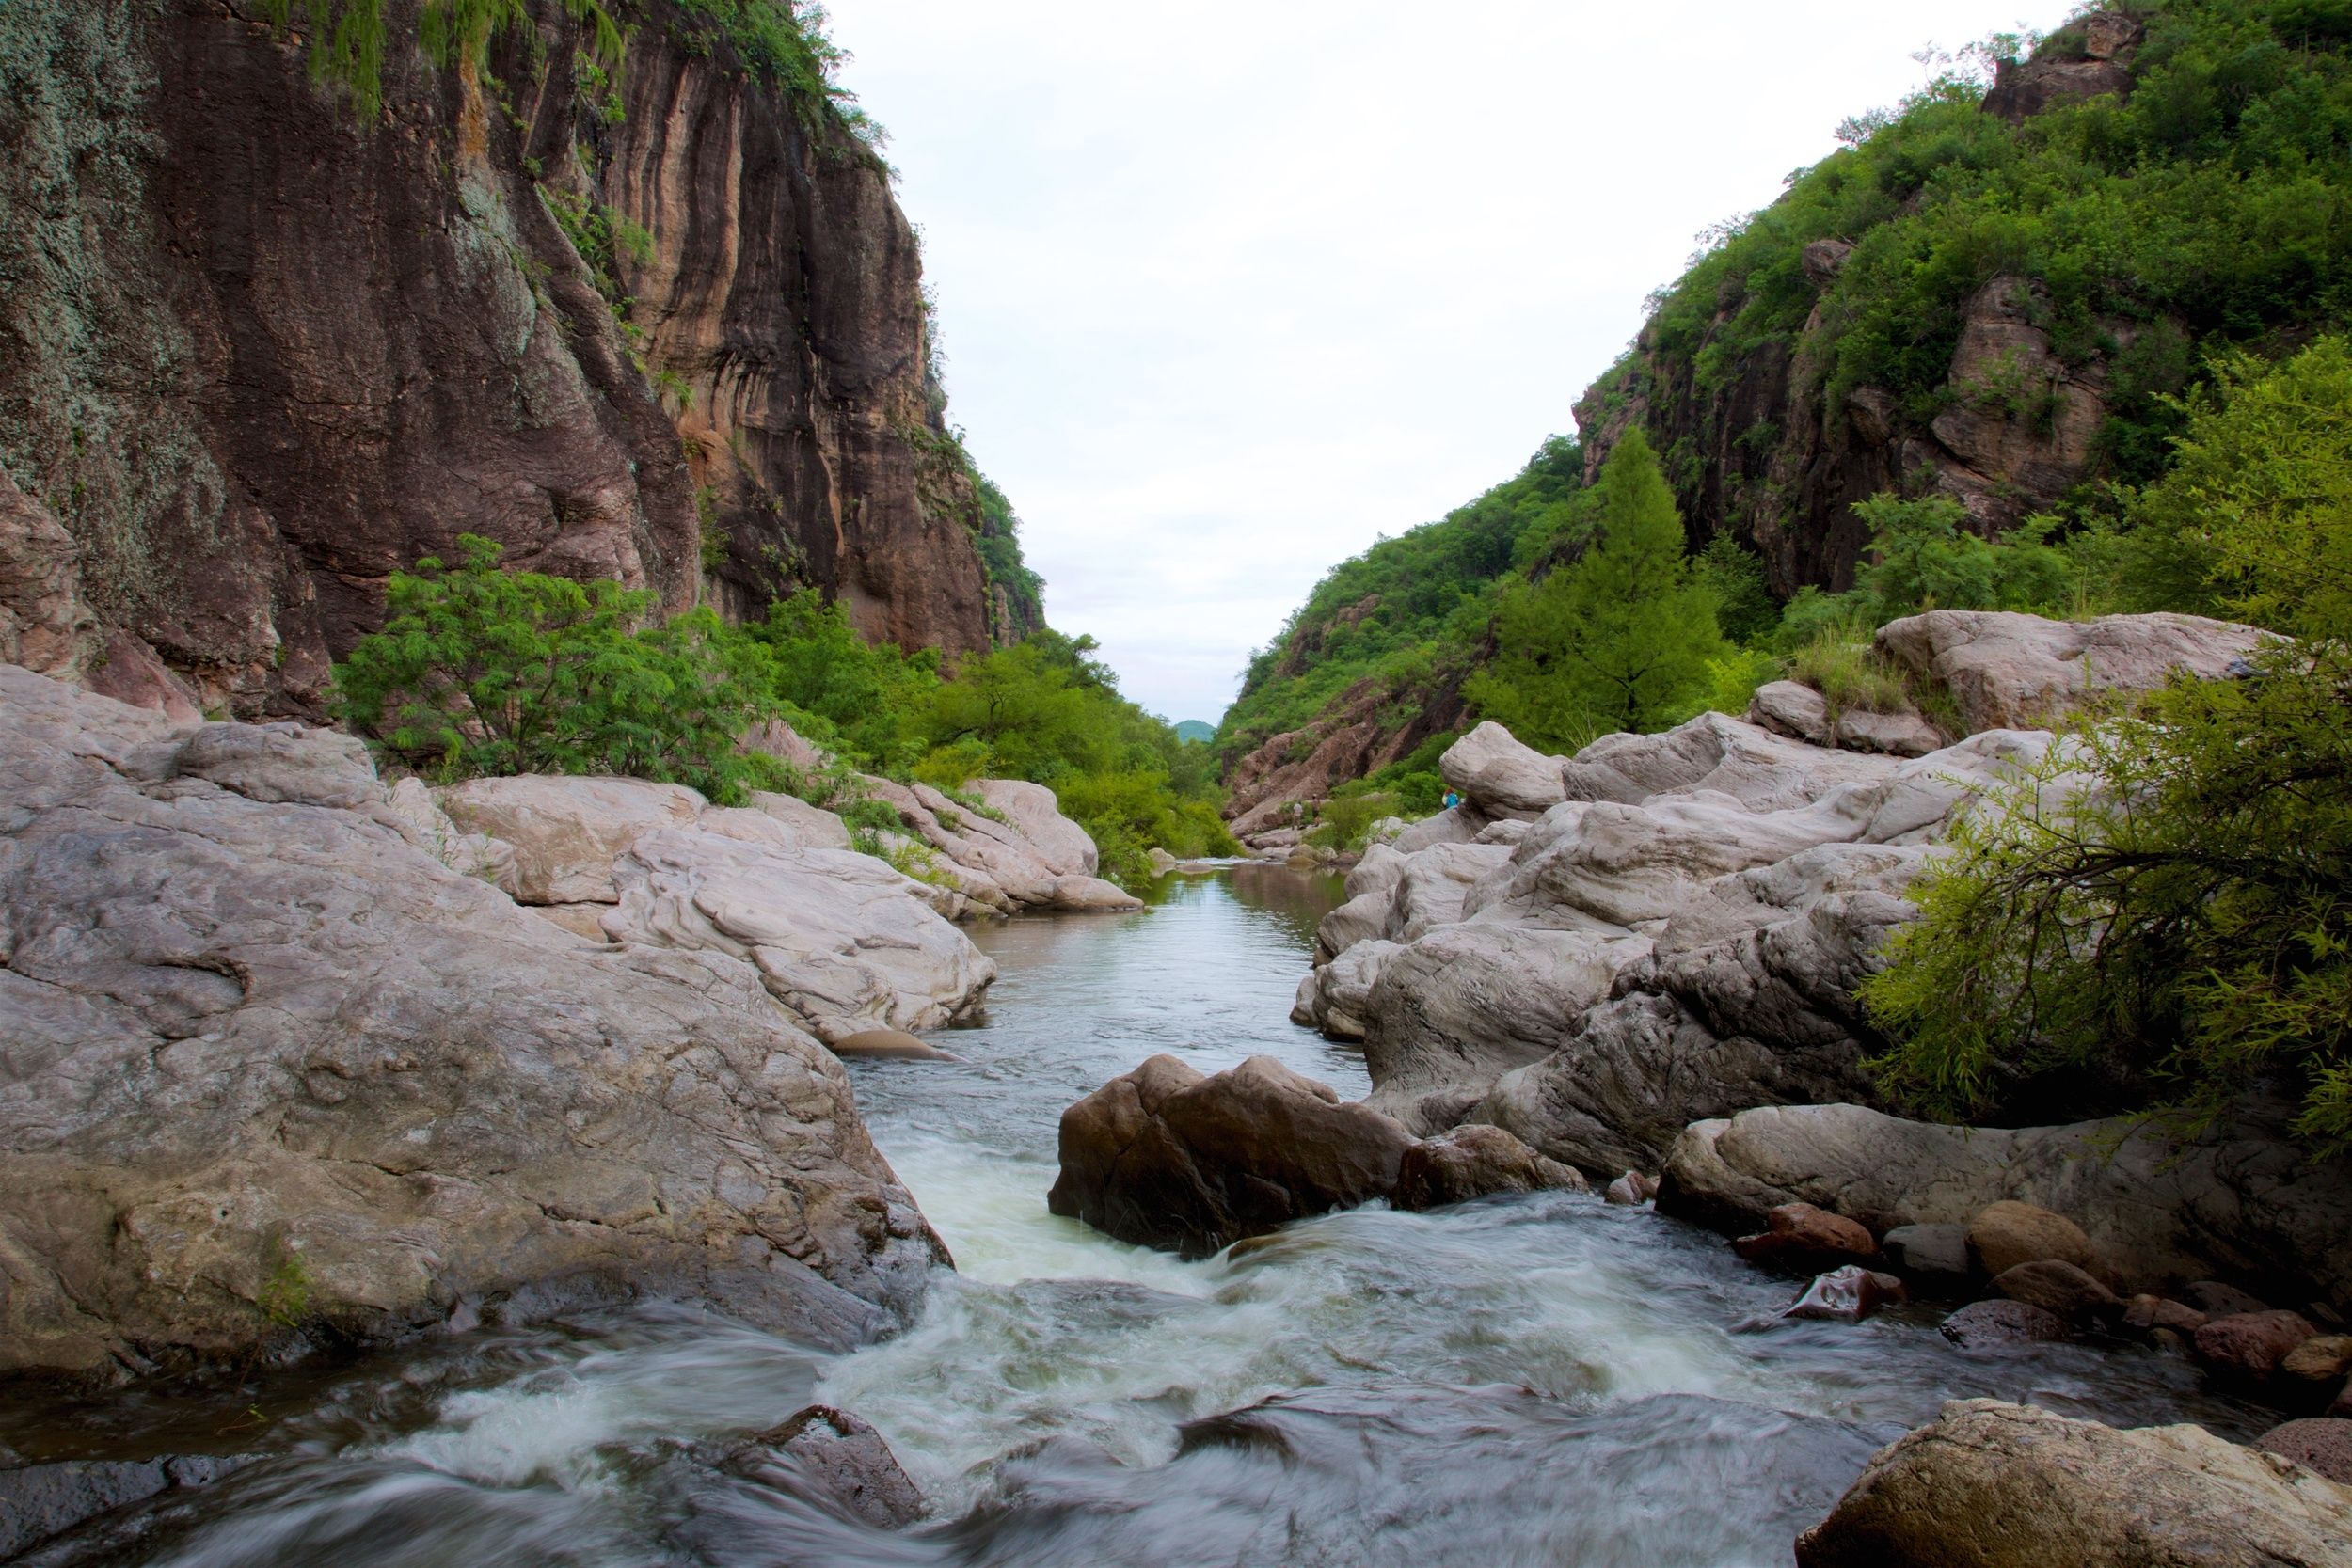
(1757, 445)
(258, 351)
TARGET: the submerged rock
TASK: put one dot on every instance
(272, 1066)
(1167, 1157)
(2057, 1288)
(836, 1457)
(1992, 1485)
(1848, 1295)
(1993, 1325)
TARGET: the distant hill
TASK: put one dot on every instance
(1193, 729)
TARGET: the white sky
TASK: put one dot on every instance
(1226, 295)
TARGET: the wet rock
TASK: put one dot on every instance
(1474, 1161)
(1993, 1485)
(839, 1458)
(2149, 1313)
(1500, 775)
(887, 1045)
(1995, 1324)
(1848, 1295)
(2323, 1359)
(272, 1058)
(2058, 1288)
(1801, 1236)
(2004, 1235)
(1166, 1157)
(40, 1502)
(2252, 1344)
(1934, 1258)
(1633, 1189)
(2007, 670)
(2217, 1300)
(2320, 1443)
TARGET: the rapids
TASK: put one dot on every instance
(1542, 1379)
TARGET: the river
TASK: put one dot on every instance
(1530, 1380)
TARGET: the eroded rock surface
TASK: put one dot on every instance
(1993, 1485)
(270, 1064)
(2009, 670)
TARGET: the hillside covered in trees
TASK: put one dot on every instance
(1950, 365)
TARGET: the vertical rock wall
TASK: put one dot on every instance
(257, 352)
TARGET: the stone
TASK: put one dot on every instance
(838, 1459)
(45, 626)
(1474, 1161)
(566, 832)
(1848, 1294)
(2320, 1443)
(1036, 815)
(845, 943)
(1498, 774)
(2240, 1197)
(2217, 1300)
(1896, 734)
(1997, 1325)
(1092, 896)
(2150, 1313)
(2058, 1288)
(1793, 709)
(1933, 1258)
(2009, 670)
(2252, 1344)
(1169, 1158)
(269, 1058)
(2324, 1358)
(2003, 1235)
(1801, 1236)
(1993, 1485)
(1632, 1190)
(886, 1045)
(40, 1502)
(812, 827)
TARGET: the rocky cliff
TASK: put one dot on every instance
(657, 320)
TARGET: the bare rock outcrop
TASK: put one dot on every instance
(272, 1066)
(1167, 1157)
(2009, 671)
(1993, 1485)
(2241, 1201)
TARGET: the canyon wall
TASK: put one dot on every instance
(259, 348)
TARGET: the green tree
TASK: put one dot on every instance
(1924, 555)
(1620, 640)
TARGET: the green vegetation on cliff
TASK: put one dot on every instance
(479, 671)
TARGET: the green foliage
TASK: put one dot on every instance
(348, 39)
(1345, 821)
(603, 236)
(999, 545)
(1732, 679)
(285, 1296)
(785, 41)
(478, 670)
(1622, 638)
(1744, 605)
(2174, 934)
(867, 701)
(1837, 662)
(1923, 555)
(1411, 612)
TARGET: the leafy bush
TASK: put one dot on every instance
(1345, 821)
(479, 671)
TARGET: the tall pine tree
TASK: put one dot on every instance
(1620, 640)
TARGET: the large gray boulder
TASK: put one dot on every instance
(2009, 670)
(1993, 1485)
(270, 1064)
(2241, 1201)
(1499, 775)
(1169, 1158)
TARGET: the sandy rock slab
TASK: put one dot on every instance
(1993, 1485)
(271, 1066)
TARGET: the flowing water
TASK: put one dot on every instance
(1540, 1379)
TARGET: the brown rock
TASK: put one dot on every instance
(2252, 1344)
(890, 1044)
(2319, 1443)
(1992, 1485)
(2003, 1235)
(1992, 1324)
(44, 626)
(1848, 1295)
(2217, 1300)
(1167, 1158)
(2056, 1286)
(2146, 1313)
(1804, 1236)
(2324, 1358)
(836, 1457)
(2342, 1406)
(1473, 1161)
(1633, 1189)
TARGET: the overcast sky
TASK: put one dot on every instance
(1228, 294)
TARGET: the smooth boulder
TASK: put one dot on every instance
(2318, 1442)
(1167, 1157)
(2005, 1235)
(1995, 1486)
(1493, 769)
(2009, 671)
(1801, 1236)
